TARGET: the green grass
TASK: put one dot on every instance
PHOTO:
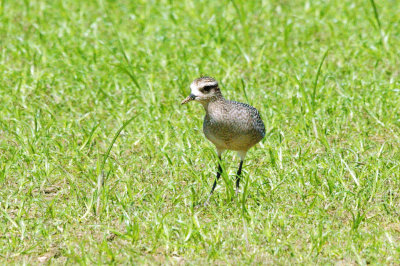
(80, 184)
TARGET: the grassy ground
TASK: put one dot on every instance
(322, 187)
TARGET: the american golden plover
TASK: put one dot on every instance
(228, 124)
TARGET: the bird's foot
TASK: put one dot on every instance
(207, 202)
(237, 192)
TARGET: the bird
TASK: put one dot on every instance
(229, 125)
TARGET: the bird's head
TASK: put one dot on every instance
(203, 89)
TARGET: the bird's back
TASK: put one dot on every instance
(233, 125)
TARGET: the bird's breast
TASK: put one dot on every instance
(230, 131)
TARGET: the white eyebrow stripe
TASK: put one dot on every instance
(195, 90)
(210, 84)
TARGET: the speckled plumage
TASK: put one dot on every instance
(232, 125)
(229, 125)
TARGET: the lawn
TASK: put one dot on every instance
(99, 162)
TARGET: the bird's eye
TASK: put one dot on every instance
(208, 88)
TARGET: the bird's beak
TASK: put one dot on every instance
(191, 97)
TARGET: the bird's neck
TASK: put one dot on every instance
(211, 104)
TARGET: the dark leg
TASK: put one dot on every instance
(219, 172)
(239, 172)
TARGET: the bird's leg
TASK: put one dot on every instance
(238, 174)
(242, 155)
(219, 172)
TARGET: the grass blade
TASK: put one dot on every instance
(316, 80)
(376, 14)
(113, 141)
(101, 178)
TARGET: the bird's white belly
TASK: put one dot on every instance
(218, 142)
